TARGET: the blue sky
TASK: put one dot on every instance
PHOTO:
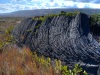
(7, 6)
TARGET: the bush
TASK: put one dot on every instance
(76, 71)
(94, 19)
(6, 38)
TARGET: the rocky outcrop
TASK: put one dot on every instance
(61, 37)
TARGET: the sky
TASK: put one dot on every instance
(7, 6)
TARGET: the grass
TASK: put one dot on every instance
(15, 61)
(21, 61)
(6, 28)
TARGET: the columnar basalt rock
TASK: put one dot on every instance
(60, 37)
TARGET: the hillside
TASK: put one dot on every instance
(40, 12)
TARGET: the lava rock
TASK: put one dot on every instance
(61, 37)
(98, 72)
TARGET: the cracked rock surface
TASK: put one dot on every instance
(61, 37)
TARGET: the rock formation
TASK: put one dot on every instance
(61, 37)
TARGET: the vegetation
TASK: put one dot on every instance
(6, 26)
(95, 19)
(76, 71)
(21, 61)
(63, 13)
(42, 19)
(95, 25)
(7, 38)
(69, 14)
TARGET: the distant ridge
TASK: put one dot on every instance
(39, 12)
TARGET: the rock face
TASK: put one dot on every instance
(98, 72)
(61, 37)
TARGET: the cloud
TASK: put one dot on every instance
(35, 0)
(85, 1)
(16, 0)
(6, 7)
(16, 5)
(82, 0)
(51, 0)
(10, 7)
(92, 5)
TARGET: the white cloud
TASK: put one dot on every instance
(17, 0)
(92, 5)
(10, 7)
(69, 3)
(7, 7)
(35, 0)
(81, 5)
(46, 4)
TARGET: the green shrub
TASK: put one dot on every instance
(69, 14)
(94, 19)
(37, 26)
(29, 30)
(76, 71)
(7, 38)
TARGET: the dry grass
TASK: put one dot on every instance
(15, 61)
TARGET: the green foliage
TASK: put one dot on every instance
(37, 26)
(29, 30)
(6, 26)
(63, 13)
(2, 44)
(72, 14)
(94, 19)
(7, 37)
(65, 70)
(76, 71)
(9, 30)
(40, 20)
(69, 14)
(85, 73)
(43, 18)
(50, 16)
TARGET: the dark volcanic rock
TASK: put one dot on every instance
(61, 37)
(98, 72)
